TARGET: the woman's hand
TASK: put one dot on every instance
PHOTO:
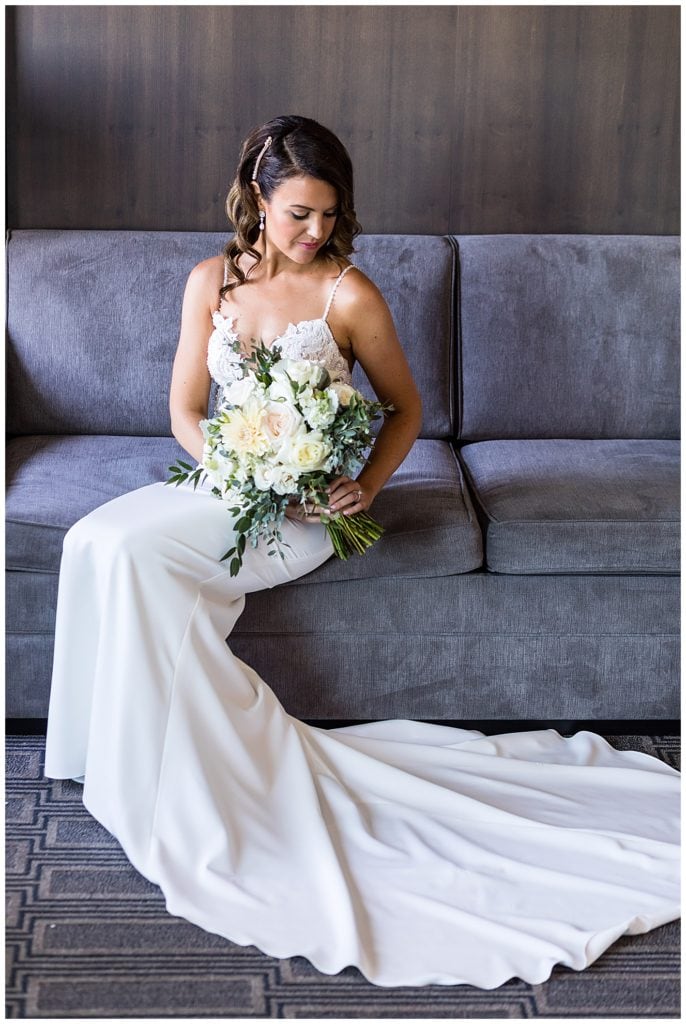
(349, 496)
(345, 495)
(306, 513)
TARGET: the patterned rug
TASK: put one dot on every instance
(88, 937)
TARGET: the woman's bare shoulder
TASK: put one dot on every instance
(357, 290)
(205, 280)
(209, 271)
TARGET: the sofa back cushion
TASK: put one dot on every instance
(93, 319)
(416, 276)
(568, 336)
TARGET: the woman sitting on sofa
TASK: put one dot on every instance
(421, 854)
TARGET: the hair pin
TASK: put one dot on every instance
(262, 152)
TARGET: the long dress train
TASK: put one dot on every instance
(421, 854)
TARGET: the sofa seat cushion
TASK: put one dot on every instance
(430, 522)
(567, 506)
(55, 480)
(52, 481)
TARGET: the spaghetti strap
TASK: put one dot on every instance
(335, 286)
(226, 278)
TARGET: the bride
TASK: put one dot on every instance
(420, 854)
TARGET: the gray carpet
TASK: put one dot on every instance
(87, 936)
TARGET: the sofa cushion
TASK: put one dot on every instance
(567, 506)
(571, 336)
(53, 481)
(95, 355)
(416, 275)
(430, 522)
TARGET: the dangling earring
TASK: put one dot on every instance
(262, 216)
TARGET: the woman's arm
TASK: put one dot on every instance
(190, 384)
(376, 347)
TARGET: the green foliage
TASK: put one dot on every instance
(183, 472)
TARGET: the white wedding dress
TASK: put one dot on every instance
(421, 854)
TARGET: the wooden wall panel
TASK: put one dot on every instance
(465, 119)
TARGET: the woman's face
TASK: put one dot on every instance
(300, 217)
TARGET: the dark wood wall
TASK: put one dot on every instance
(464, 119)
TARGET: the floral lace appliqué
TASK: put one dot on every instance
(310, 339)
(224, 358)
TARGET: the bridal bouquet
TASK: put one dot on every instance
(284, 429)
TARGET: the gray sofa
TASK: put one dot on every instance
(530, 569)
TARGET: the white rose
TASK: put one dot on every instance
(344, 392)
(238, 391)
(302, 371)
(281, 422)
(284, 479)
(306, 451)
(281, 478)
(280, 390)
(279, 371)
(262, 477)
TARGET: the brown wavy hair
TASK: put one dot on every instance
(300, 146)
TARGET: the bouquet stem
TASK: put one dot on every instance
(351, 534)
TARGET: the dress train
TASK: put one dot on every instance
(421, 854)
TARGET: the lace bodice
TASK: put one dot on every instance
(308, 339)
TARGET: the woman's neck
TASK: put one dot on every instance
(274, 262)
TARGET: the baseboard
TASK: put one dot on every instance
(25, 726)
(492, 726)
(489, 726)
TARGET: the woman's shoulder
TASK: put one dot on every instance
(205, 280)
(356, 289)
(209, 271)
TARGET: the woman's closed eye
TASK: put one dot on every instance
(304, 216)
